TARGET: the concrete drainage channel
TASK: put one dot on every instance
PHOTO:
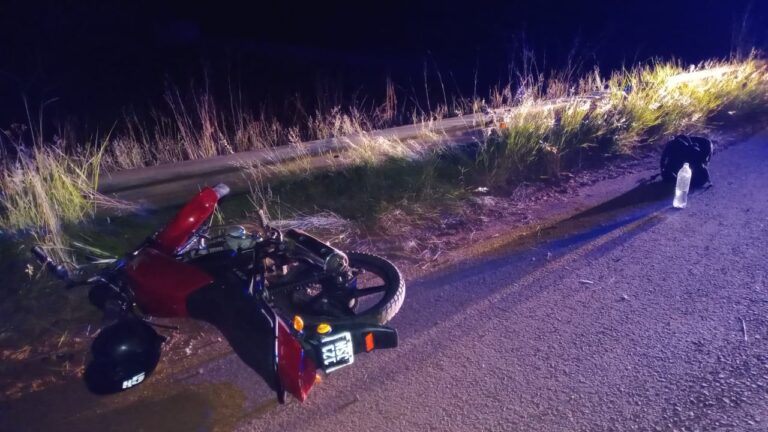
(172, 184)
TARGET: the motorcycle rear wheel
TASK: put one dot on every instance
(394, 292)
(364, 304)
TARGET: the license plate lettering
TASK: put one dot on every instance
(337, 351)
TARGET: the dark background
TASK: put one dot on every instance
(97, 58)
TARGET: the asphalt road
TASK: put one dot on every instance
(632, 324)
(632, 317)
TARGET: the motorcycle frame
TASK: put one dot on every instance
(157, 279)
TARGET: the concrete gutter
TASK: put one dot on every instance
(130, 179)
(173, 183)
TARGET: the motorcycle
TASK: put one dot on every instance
(290, 305)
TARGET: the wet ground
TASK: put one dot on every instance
(629, 316)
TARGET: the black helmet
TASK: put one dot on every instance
(694, 150)
(124, 355)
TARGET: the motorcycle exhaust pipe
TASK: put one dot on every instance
(331, 259)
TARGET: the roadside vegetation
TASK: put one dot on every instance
(635, 107)
(539, 129)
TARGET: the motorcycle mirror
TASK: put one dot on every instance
(57, 270)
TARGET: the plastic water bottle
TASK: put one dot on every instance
(683, 184)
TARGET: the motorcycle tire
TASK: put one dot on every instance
(394, 295)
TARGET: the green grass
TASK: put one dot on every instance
(51, 190)
(46, 188)
(642, 105)
(659, 104)
(54, 185)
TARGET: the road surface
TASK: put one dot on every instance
(631, 317)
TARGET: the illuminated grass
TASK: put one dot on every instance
(47, 187)
(45, 190)
(53, 185)
(642, 105)
(654, 101)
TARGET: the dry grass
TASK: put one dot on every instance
(43, 189)
(645, 104)
(533, 135)
(197, 128)
(657, 100)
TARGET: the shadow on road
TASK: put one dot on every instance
(652, 194)
(644, 204)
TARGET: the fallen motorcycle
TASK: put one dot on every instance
(289, 304)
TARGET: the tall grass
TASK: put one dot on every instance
(42, 189)
(522, 136)
(196, 127)
(535, 132)
(653, 101)
(47, 187)
(640, 105)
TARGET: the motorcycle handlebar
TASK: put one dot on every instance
(40, 254)
(57, 270)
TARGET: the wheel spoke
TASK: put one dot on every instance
(328, 305)
(364, 292)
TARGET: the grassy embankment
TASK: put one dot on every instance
(54, 183)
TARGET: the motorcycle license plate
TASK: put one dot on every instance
(337, 351)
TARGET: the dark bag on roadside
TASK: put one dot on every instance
(694, 150)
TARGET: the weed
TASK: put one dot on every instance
(641, 105)
(538, 135)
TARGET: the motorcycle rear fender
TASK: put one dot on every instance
(365, 338)
(258, 336)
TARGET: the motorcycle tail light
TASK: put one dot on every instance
(369, 343)
(295, 370)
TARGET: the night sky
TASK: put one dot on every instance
(98, 57)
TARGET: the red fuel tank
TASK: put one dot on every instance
(187, 220)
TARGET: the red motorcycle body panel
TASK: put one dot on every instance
(161, 284)
(190, 218)
(296, 371)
